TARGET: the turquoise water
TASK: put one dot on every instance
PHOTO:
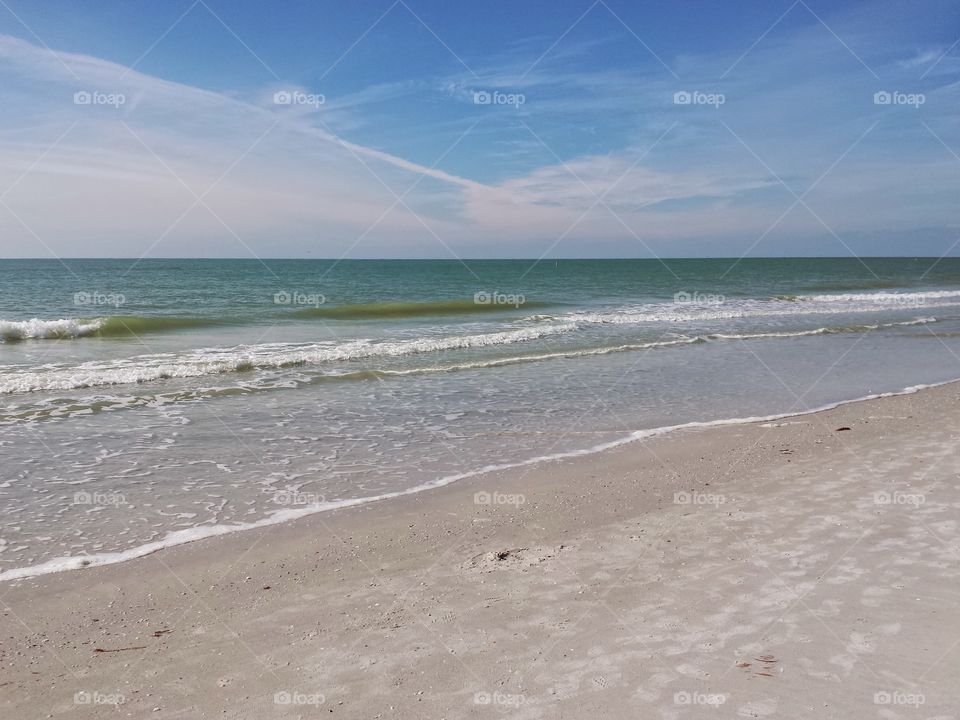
(145, 404)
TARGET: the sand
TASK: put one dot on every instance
(784, 570)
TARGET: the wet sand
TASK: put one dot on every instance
(788, 569)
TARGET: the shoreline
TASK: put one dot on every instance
(184, 537)
(749, 565)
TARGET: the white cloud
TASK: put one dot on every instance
(278, 181)
(130, 170)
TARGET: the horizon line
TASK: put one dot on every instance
(498, 259)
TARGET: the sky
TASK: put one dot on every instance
(429, 128)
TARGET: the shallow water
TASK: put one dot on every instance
(144, 406)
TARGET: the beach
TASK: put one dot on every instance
(424, 360)
(804, 567)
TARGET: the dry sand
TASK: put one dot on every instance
(786, 587)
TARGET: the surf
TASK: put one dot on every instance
(110, 326)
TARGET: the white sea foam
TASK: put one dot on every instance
(43, 329)
(882, 297)
(212, 361)
(181, 537)
(537, 357)
(819, 331)
(688, 340)
(271, 356)
(797, 306)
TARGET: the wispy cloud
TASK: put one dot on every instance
(596, 155)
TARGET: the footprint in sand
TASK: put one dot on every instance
(761, 666)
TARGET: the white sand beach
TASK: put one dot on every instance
(795, 569)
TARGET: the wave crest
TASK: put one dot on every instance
(215, 361)
(17, 330)
(113, 326)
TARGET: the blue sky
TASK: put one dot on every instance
(386, 147)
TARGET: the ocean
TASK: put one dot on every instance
(146, 404)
